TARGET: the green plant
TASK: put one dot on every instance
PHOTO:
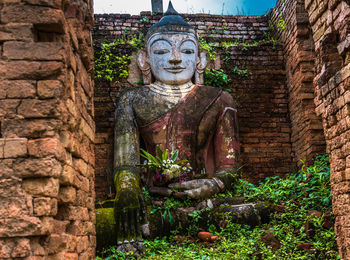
(144, 20)
(216, 78)
(240, 72)
(165, 164)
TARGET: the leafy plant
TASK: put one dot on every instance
(165, 164)
(216, 78)
(240, 72)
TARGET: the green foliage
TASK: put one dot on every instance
(166, 163)
(144, 20)
(216, 78)
(110, 64)
(240, 72)
(297, 194)
(168, 205)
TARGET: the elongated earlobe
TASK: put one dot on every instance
(201, 64)
(145, 67)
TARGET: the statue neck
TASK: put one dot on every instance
(172, 92)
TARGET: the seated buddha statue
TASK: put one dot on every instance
(176, 111)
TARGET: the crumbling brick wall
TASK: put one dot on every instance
(46, 130)
(262, 95)
(330, 23)
(291, 24)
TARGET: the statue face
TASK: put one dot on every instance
(173, 57)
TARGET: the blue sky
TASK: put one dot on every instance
(245, 7)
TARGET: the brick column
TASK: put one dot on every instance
(307, 132)
(330, 21)
(46, 130)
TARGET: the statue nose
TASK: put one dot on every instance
(175, 58)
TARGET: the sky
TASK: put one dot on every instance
(232, 7)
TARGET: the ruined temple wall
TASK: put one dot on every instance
(46, 130)
(291, 24)
(262, 96)
(330, 23)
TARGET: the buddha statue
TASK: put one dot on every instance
(175, 111)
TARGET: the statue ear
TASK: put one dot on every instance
(201, 64)
(145, 67)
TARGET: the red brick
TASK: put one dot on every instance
(41, 186)
(49, 88)
(46, 147)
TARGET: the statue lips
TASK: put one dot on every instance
(175, 69)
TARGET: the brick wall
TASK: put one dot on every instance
(330, 23)
(46, 130)
(307, 132)
(262, 96)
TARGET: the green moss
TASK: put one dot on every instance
(105, 228)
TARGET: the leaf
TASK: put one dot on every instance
(165, 155)
(159, 151)
(174, 155)
(154, 210)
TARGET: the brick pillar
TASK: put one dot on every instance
(307, 132)
(330, 21)
(46, 130)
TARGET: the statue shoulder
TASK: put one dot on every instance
(130, 95)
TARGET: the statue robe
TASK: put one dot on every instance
(202, 126)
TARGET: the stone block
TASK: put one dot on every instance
(38, 15)
(41, 186)
(82, 244)
(50, 51)
(13, 147)
(8, 108)
(29, 69)
(71, 256)
(22, 248)
(73, 213)
(29, 128)
(82, 167)
(49, 88)
(81, 228)
(23, 226)
(68, 175)
(44, 206)
(16, 32)
(17, 89)
(67, 194)
(34, 108)
(11, 207)
(46, 147)
(56, 243)
(45, 167)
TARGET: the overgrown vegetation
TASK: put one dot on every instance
(300, 228)
(111, 64)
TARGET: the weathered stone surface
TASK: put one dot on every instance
(41, 186)
(8, 108)
(46, 147)
(23, 226)
(34, 108)
(29, 128)
(52, 18)
(45, 206)
(67, 195)
(73, 213)
(22, 248)
(17, 89)
(46, 167)
(16, 31)
(50, 51)
(49, 88)
(29, 69)
(13, 147)
(11, 207)
(56, 243)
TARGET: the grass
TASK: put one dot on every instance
(291, 225)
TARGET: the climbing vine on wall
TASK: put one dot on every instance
(110, 63)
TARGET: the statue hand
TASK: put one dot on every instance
(127, 205)
(198, 189)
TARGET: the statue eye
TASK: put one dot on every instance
(161, 51)
(187, 51)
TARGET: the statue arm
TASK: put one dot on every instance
(226, 142)
(128, 200)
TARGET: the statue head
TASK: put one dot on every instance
(172, 52)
